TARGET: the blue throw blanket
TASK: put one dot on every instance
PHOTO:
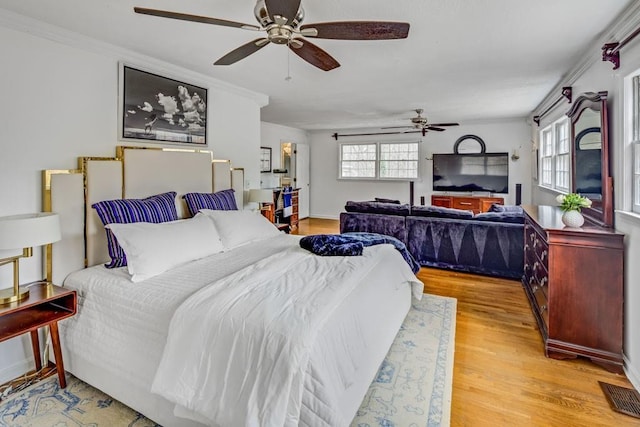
(352, 244)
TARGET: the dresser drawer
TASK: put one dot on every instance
(466, 203)
(442, 201)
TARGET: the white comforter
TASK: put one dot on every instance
(237, 350)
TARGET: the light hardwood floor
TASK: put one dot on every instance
(501, 376)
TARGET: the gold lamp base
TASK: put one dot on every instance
(7, 296)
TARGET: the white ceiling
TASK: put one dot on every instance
(464, 60)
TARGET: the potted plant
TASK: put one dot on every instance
(571, 204)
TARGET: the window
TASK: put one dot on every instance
(358, 161)
(555, 157)
(379, 160)
(635, 146)
(563, 160)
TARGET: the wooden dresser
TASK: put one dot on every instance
(573, 278)
(469, 203)
(273, 210)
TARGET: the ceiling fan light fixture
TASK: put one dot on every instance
(262, 15)
(279, 34)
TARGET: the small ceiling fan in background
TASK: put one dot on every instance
(281, 20)
(420, 122)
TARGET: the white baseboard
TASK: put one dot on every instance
(632, 374)
(11, 372)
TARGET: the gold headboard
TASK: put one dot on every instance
(135, 172)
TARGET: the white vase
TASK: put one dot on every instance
(572, 219)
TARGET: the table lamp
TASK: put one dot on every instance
(24, 232)
(261, 196)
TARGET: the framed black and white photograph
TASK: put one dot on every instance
(159, 109)
(265, 159)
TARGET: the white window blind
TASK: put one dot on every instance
(379, 160)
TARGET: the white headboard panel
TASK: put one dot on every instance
(237, 183)
(221, 174)
(148, 172)
(64, 193)
(135, 172)
(103, 180)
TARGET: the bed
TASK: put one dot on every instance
(259, 333)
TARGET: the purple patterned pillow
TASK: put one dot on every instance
(224, 200)
(155, 209)
(377, 208)
(440, 212)
(511, 217)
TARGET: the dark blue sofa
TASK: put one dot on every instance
(489, 243)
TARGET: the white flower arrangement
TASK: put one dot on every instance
(573, 202)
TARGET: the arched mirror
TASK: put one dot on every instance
(591, 175)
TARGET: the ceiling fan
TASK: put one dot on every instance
(420, 122)
(281, 20)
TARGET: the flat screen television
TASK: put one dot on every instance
(487, 172)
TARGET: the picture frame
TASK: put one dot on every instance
(265, 159)
(154, 108)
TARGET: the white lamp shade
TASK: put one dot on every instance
(261, 196)
(29, 230)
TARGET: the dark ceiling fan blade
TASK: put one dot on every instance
(444, 124)
(315, 56)
(360, 30)
(285, 8)
(429, 127)
(194, 18)
(242, 52)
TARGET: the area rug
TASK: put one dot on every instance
(412, 387)
(413, 384)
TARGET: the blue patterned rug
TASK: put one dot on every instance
(412, 387)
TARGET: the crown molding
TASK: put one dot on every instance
(623, 25)
(24, 24)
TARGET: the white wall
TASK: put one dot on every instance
(600, 76)
(271, 136)
(329, 194)
(60, 97)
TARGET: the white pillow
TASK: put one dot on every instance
(239, 227)
(155, 248)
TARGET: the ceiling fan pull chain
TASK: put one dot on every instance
(288, 78)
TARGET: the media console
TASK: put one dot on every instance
(477, 204)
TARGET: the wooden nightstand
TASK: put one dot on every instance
(45, 306)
